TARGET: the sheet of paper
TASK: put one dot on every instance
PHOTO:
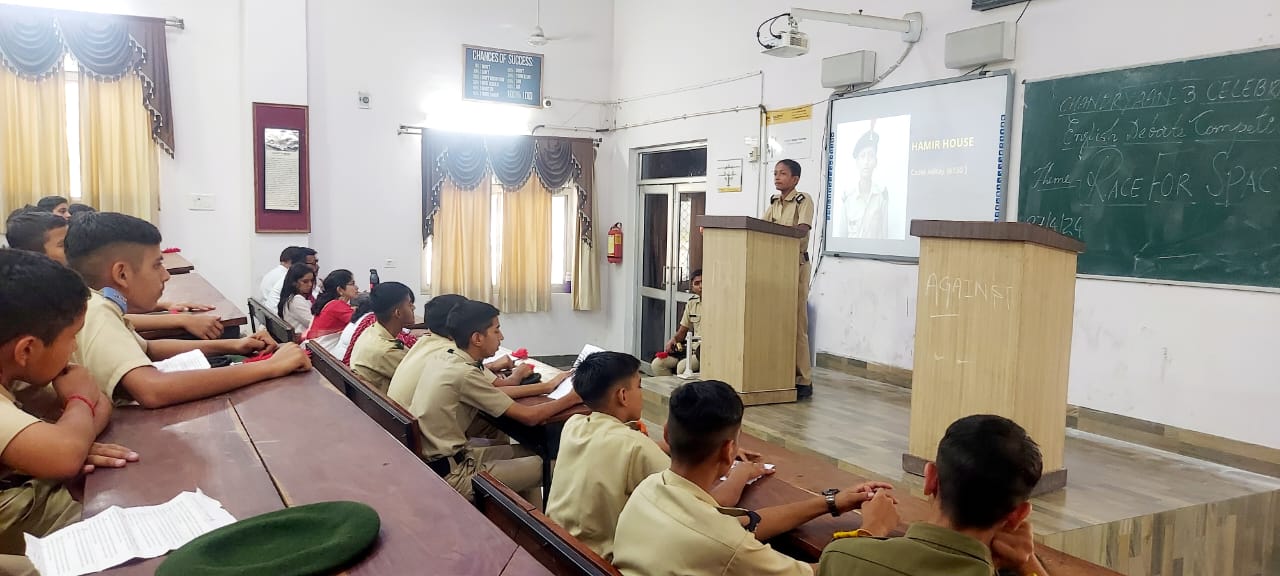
(193, 360)
(766, 467)
(586, 351)
(118, 535)
(562, 390)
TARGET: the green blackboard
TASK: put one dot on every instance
(1169, 171)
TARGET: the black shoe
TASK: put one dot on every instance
(804, 392)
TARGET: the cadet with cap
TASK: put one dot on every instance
(790, 207)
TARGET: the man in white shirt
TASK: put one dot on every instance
(273, 281)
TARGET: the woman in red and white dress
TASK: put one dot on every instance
(332, 310)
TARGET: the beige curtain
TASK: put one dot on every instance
(35, 139)
(460, 246)
(586, 277)
(118, 165)
(524, 278)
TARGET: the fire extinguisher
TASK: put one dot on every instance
(615, 243)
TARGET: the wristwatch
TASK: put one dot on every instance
(830, 494)
(753, 520)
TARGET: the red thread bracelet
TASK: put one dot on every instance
(92, 411)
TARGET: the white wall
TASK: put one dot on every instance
(1195, 358)
(366, 179)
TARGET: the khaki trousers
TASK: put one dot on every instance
(515, 466)
(670, 366)
(804, 370)
(37, 507)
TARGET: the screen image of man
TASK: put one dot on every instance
(866, 202)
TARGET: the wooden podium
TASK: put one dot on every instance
(993, 334)
(750, 277)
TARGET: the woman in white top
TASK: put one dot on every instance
(295, 298)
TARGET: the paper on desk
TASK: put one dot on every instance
(753, 480)
(192, 360)
(567, 386)
(118, 535)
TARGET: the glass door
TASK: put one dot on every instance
(671, 251)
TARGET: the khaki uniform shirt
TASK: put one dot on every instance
(448, 401)
(27, 505)
(794, 210)
(672, 526)
(375, 356)
(406, 377)
(926, 550)
(601, 462)
(107, 345)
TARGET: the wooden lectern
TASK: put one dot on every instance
(750, 278)
(993, 334)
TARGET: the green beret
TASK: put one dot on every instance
(313, 539)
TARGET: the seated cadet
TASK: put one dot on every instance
(377, 351)
(79, 208)
(447, 403)
(978, 490)
(602, 459)
(46, 233)
(56, 205)
(690, 322)
(119, 258)
(43, 306)
(671, 524)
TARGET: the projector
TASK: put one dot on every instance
(794, 43)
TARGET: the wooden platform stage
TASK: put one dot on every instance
(1135, 509)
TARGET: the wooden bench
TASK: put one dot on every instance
(545, 540)
(276, 326)
(386, 412)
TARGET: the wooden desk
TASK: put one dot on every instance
(294, 441)
(543, 439)
(801, 475)
(319, 446)
(175, 263)
(194, 445)
(192, 287)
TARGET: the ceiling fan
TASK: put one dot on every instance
(537, 37)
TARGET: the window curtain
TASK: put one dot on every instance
(465, 159)
(35, 138)
(119, 168)
(460, 247)
(524, 276)
(107, 47)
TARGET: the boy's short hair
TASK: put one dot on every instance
(79, 208)
(300, 255)
(38, 296)
(598, 373)
(286, 255)
(436, 312)
(469, 318)
(98, 234)
(792, 166)
(987, 466)
(696, 273)
(26, 231)
(48, 203)
(701, 417)
(384, 298)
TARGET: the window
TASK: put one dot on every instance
(73, 125)
(564, 234)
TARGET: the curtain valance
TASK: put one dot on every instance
(106, 47)
(466, 160)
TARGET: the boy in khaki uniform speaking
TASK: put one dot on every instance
(447, 402)
(43, 306)
(672, 525)
(119, 257)
(978, 489)
(790, 207)
(603, 459)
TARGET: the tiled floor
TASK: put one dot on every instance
(1134, 508)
